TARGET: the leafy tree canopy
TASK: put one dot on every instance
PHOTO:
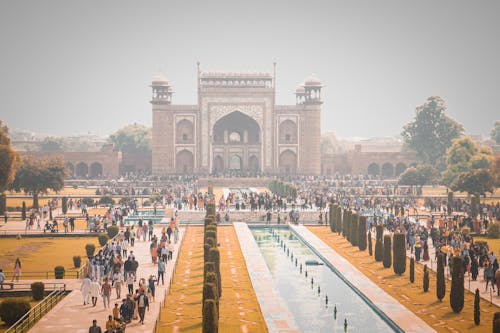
(133, 138)
(52, 144)
(495, 132)
(418, 176)
(9, 158)
(39, 176)
(469, 167)
(431, 133)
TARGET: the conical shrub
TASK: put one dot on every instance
(457, 285)
(412, 269)
(354, 229)
(425, 281)
(477, 310)
(440, 281)
(362, 233)
(399, 250)
(387, 251)
(210, 317)
(379, 247)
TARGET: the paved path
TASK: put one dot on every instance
(70, 315)
(401, 316)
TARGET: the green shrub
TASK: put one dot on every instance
(59, 272)
(379, 247)
(354, 230)
(346, 220)
(210, 319)
(331, 213)
(362, 233)
(412, 269)
(214, 256)
(494, 230)
(457, 285)
(3, 203)
(37, 290)
(426, 279)
(11, 310)
(88, 201)
(477, 310)
(387, 251)
(370, 247)
(77, 261)
(399, 250)
(112, 231)
(106, 200)
(496, 322)
(103, 239)
(90, 250)
(64, 204)
(23, 211)
(440, 281)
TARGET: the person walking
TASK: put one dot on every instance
(17, 270)
(94, 328)
(161, 272)
(85, 289)
(142, 304)
(106, 293)
(95, 289)
(117, 283)
(130, 283)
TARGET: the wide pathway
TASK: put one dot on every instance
(70, 315)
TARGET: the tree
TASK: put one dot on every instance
(440, 281)
(474, 182)
(9, 162)
(419, 176)
(412, 270)
(431, 132)
(51, 144)
(477, 309)
(462, 157)
(457, 285)
(133, 138)
(495, 132)
(425, 282)
(38, 176)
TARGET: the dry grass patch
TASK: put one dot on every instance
(42, 254)
(239, 308)
(425, 305)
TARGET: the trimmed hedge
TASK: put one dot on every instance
(399, 250)
(77, 261)
(379, 247)
(59, 272)
(112, 231)
(90, 250)
(354, 230)
(412, 270)
(494, 230)
(370, 247)
(457, 285)
(37, 290)
(11, 310)
(440, 281)
(362, 233)
(210, 323)
(426, 279)
(103, 239)
(387, 251)
(477, 310)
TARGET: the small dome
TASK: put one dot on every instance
(300, 90)
(313, 81)
(160, 80)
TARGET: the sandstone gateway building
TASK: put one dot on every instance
(236, 127)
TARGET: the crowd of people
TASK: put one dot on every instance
(107, 271)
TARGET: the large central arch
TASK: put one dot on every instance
(236, 127)
(236, 143)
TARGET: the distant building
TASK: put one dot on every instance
(236, 127)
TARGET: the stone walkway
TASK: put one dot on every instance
(70, 315)
(401, 316)
(276, 313)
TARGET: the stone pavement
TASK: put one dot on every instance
(275, 311)
(70, 315)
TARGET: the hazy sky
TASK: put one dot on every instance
(72, 67)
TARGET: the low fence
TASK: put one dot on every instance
(38, 311)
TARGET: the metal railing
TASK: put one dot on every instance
(48, 286)
(38, 311)
(44, 275)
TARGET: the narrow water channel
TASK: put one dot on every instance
(305, 282)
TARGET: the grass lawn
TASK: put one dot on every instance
(3, 326)
(436, 314)
(493, 244)
(42, 254)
